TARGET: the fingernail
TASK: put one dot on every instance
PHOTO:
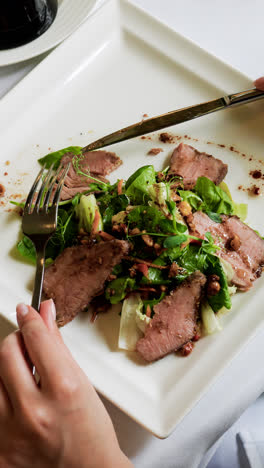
(22, 310)
(52, 309)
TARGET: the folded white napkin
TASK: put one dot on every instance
(251, 449)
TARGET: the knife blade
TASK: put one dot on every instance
(176, 117)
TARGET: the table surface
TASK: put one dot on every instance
(233, 32)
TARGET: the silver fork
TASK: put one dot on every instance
(40, 220)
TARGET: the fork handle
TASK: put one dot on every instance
(36, 298)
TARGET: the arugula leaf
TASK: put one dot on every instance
(214, 216)
(137, 186)
(222, 299)
(214, 198)
(56, 156)
(116, 290)
(192, 198)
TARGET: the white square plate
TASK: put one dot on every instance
(118, 66)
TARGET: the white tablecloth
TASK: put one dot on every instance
(232, 31)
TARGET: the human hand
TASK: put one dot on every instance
(60, 423)
(259, 83)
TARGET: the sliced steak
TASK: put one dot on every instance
(174, 322)
(79, 274)
(190, 164)
(96, 163)
(246, 257)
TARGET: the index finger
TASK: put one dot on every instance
(50, 356)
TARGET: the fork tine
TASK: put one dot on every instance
(51, 186)
(32, 192)
(43, 187)
(56, 197)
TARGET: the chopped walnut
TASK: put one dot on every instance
(155, 151)
(134, 231)
(213, 285)
(160, 176)
(175, 197)
(111, 277)
(235, 242)
(185, 208)
(148, 240)
(121, 228)
(166, 137)
(190, 223)
(174, 270)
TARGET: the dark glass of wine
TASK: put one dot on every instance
(22, 21)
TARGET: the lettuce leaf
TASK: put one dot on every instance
(129, 331)
(209, 319)
(85, 212)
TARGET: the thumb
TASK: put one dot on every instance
(259, 83)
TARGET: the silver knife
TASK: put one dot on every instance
(176, 117)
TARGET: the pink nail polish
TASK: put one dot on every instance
(52, 309)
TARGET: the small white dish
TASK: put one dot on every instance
(70, 15)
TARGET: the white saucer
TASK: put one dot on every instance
(71, 14)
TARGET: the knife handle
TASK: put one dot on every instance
(243, 97)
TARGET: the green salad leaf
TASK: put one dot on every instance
(137, 186)
(56, 157)
(117, 289)
(155, 275)
(192, 198)
(214, 216)
(26, 248)
(214, 198)
(222, 299)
